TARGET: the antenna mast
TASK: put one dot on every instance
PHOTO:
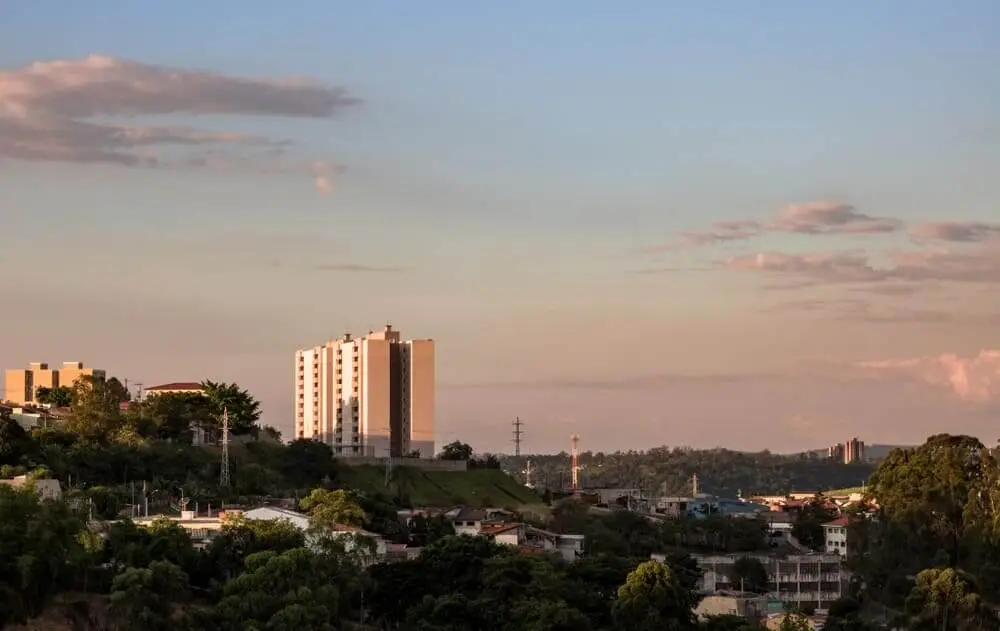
(575, 442)
(517, 436)
(224, 476)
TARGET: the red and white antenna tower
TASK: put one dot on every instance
(575, 441)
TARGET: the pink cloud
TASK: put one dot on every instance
(975, 378)
(719, 232)
(830, 218)
(73, 110)
(958, 231)
(814, 218)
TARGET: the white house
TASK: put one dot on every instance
(349, 536)
(46, 488)
(299, 520)
(531, 539)
(835, 536)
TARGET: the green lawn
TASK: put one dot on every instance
(853, 489)
(479, 487)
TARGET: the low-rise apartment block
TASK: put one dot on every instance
(805, 580)
(21, 384)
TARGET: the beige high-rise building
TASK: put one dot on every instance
(21, 384)
(367, 396)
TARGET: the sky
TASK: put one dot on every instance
(742, 224)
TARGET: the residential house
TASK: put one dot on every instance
(469, 521)
(531, 540)
(47, 488)
(201, 528)
(835, 536)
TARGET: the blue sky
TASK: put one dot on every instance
(516, 159)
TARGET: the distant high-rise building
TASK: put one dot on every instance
(367, 396)
(22, 384)
(854, 451)
(851, 451)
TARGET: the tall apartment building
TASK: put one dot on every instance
(21, 384)
(851, 451)
(367, 396)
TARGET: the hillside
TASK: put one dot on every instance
(477, 487)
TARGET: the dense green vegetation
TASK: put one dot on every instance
(665, 471)
(925, 546)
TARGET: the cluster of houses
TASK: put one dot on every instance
(497, 524)
(798, 576)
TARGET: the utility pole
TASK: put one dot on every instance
(517, 436)
(224, 476)
(575, 442)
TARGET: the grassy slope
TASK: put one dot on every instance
(853, 489)
(443, 488)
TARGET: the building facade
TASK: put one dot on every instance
(835, 536)
(22, 384)
(369, 396)
(805, 580)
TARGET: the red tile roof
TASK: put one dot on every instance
(840, 521)
(179, 385)
(496, 529)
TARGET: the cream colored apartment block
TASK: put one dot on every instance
(71, 372)
(367, 396)
(22, 384)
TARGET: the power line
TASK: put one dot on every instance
(517, 435)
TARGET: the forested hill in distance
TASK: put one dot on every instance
(669, 471)
(875, 453)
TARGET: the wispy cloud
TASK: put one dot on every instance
(75, 111)
(830, 218)
(981, 265)
(956, 231)
(360, 269)
(718, 232)
(812, 218)
(871, 312)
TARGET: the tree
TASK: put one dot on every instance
(808, 526)
(15, 442)
(329, 509)
(456, 451)
(949, 600)
(143, 598)
(37, 540)
(652, 598)
(95, 412)
(239, 538)
(845, 615)
(243, 408)
(60, 396)
(173, 415)
(749, 574)
(307, 462)
(296, 589)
